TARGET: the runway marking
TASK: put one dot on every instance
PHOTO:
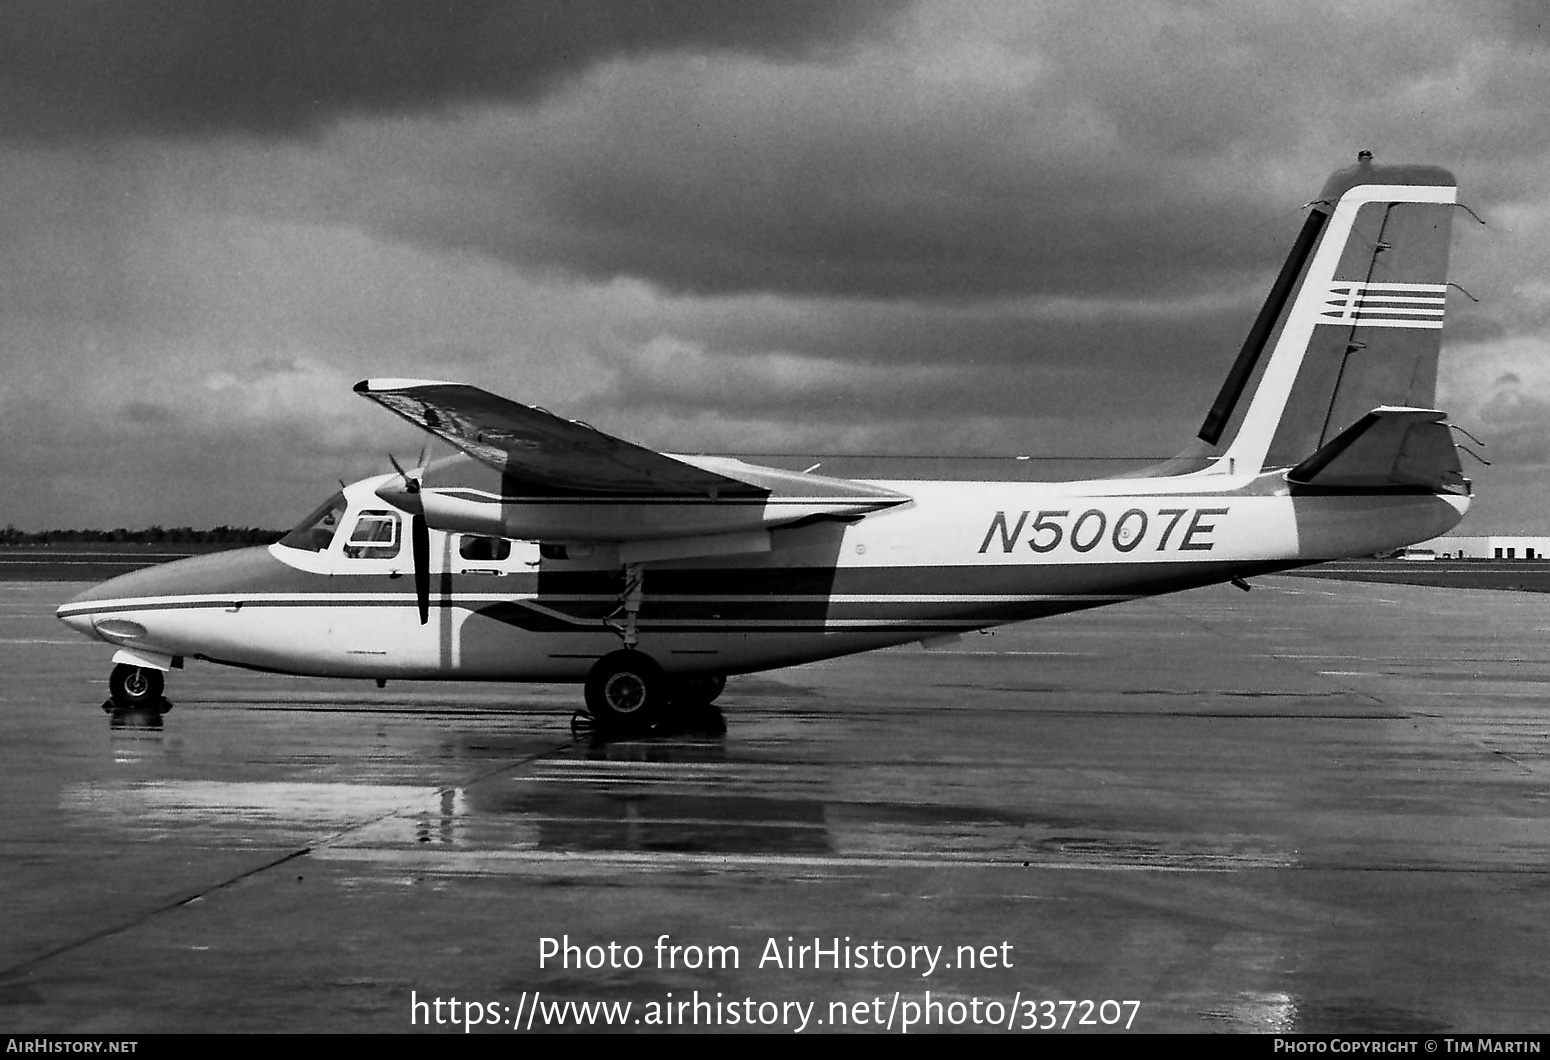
(1473, 694)
(1039, 654)
(506, 862)
(569, 770)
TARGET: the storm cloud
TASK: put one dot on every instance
(941, 227)
(70, 68)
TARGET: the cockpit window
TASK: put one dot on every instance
(316, 532)
(375, 536)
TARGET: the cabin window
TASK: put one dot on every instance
(316, 532)
(375, 536)
(491, 549)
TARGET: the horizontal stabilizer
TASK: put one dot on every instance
(1388, 450)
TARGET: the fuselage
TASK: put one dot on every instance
(959, 556)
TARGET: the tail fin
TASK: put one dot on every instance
(1353, 321)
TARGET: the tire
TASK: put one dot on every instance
(626, 690)
(135, 687)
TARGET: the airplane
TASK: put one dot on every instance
(547, 550)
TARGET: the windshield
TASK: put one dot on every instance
(316, 532)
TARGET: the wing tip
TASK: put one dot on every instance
(385, 385)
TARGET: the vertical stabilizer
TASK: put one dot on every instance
(1353, 321)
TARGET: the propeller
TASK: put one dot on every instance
(411, 483)
(419, 534)
(420, 545)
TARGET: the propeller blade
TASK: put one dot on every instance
(411, 483)
(420, 543)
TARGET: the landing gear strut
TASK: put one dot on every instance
(627, 692)
(135, 687)
(629, 605)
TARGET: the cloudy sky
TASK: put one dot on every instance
(957, 226)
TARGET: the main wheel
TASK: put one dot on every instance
(134, 687)
(626, 690)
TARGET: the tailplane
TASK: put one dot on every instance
(1389, 450)
(1353, 323)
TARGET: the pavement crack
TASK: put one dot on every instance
(28, 965)
(136, 921)
(1255, 648)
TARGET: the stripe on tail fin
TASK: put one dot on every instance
(1353, 321)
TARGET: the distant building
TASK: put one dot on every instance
(1493, 547)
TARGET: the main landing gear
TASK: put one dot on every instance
(626, 688)
(135, 688)
(628, 694)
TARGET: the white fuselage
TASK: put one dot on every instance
(959, 556)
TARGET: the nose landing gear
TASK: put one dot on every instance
(136, 688)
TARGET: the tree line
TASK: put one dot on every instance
(153, 535)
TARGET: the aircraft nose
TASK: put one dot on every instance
(79, 611)
(76, 620)
(233, 571)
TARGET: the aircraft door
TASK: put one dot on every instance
(374, 617)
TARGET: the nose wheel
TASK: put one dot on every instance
(135, 687)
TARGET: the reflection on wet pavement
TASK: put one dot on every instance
(671, 797)
(1228, 819)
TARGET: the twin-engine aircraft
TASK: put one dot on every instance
(547, 550)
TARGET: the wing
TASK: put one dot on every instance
(561, 480)
(533, 446)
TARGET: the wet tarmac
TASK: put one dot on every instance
(1316, 807)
